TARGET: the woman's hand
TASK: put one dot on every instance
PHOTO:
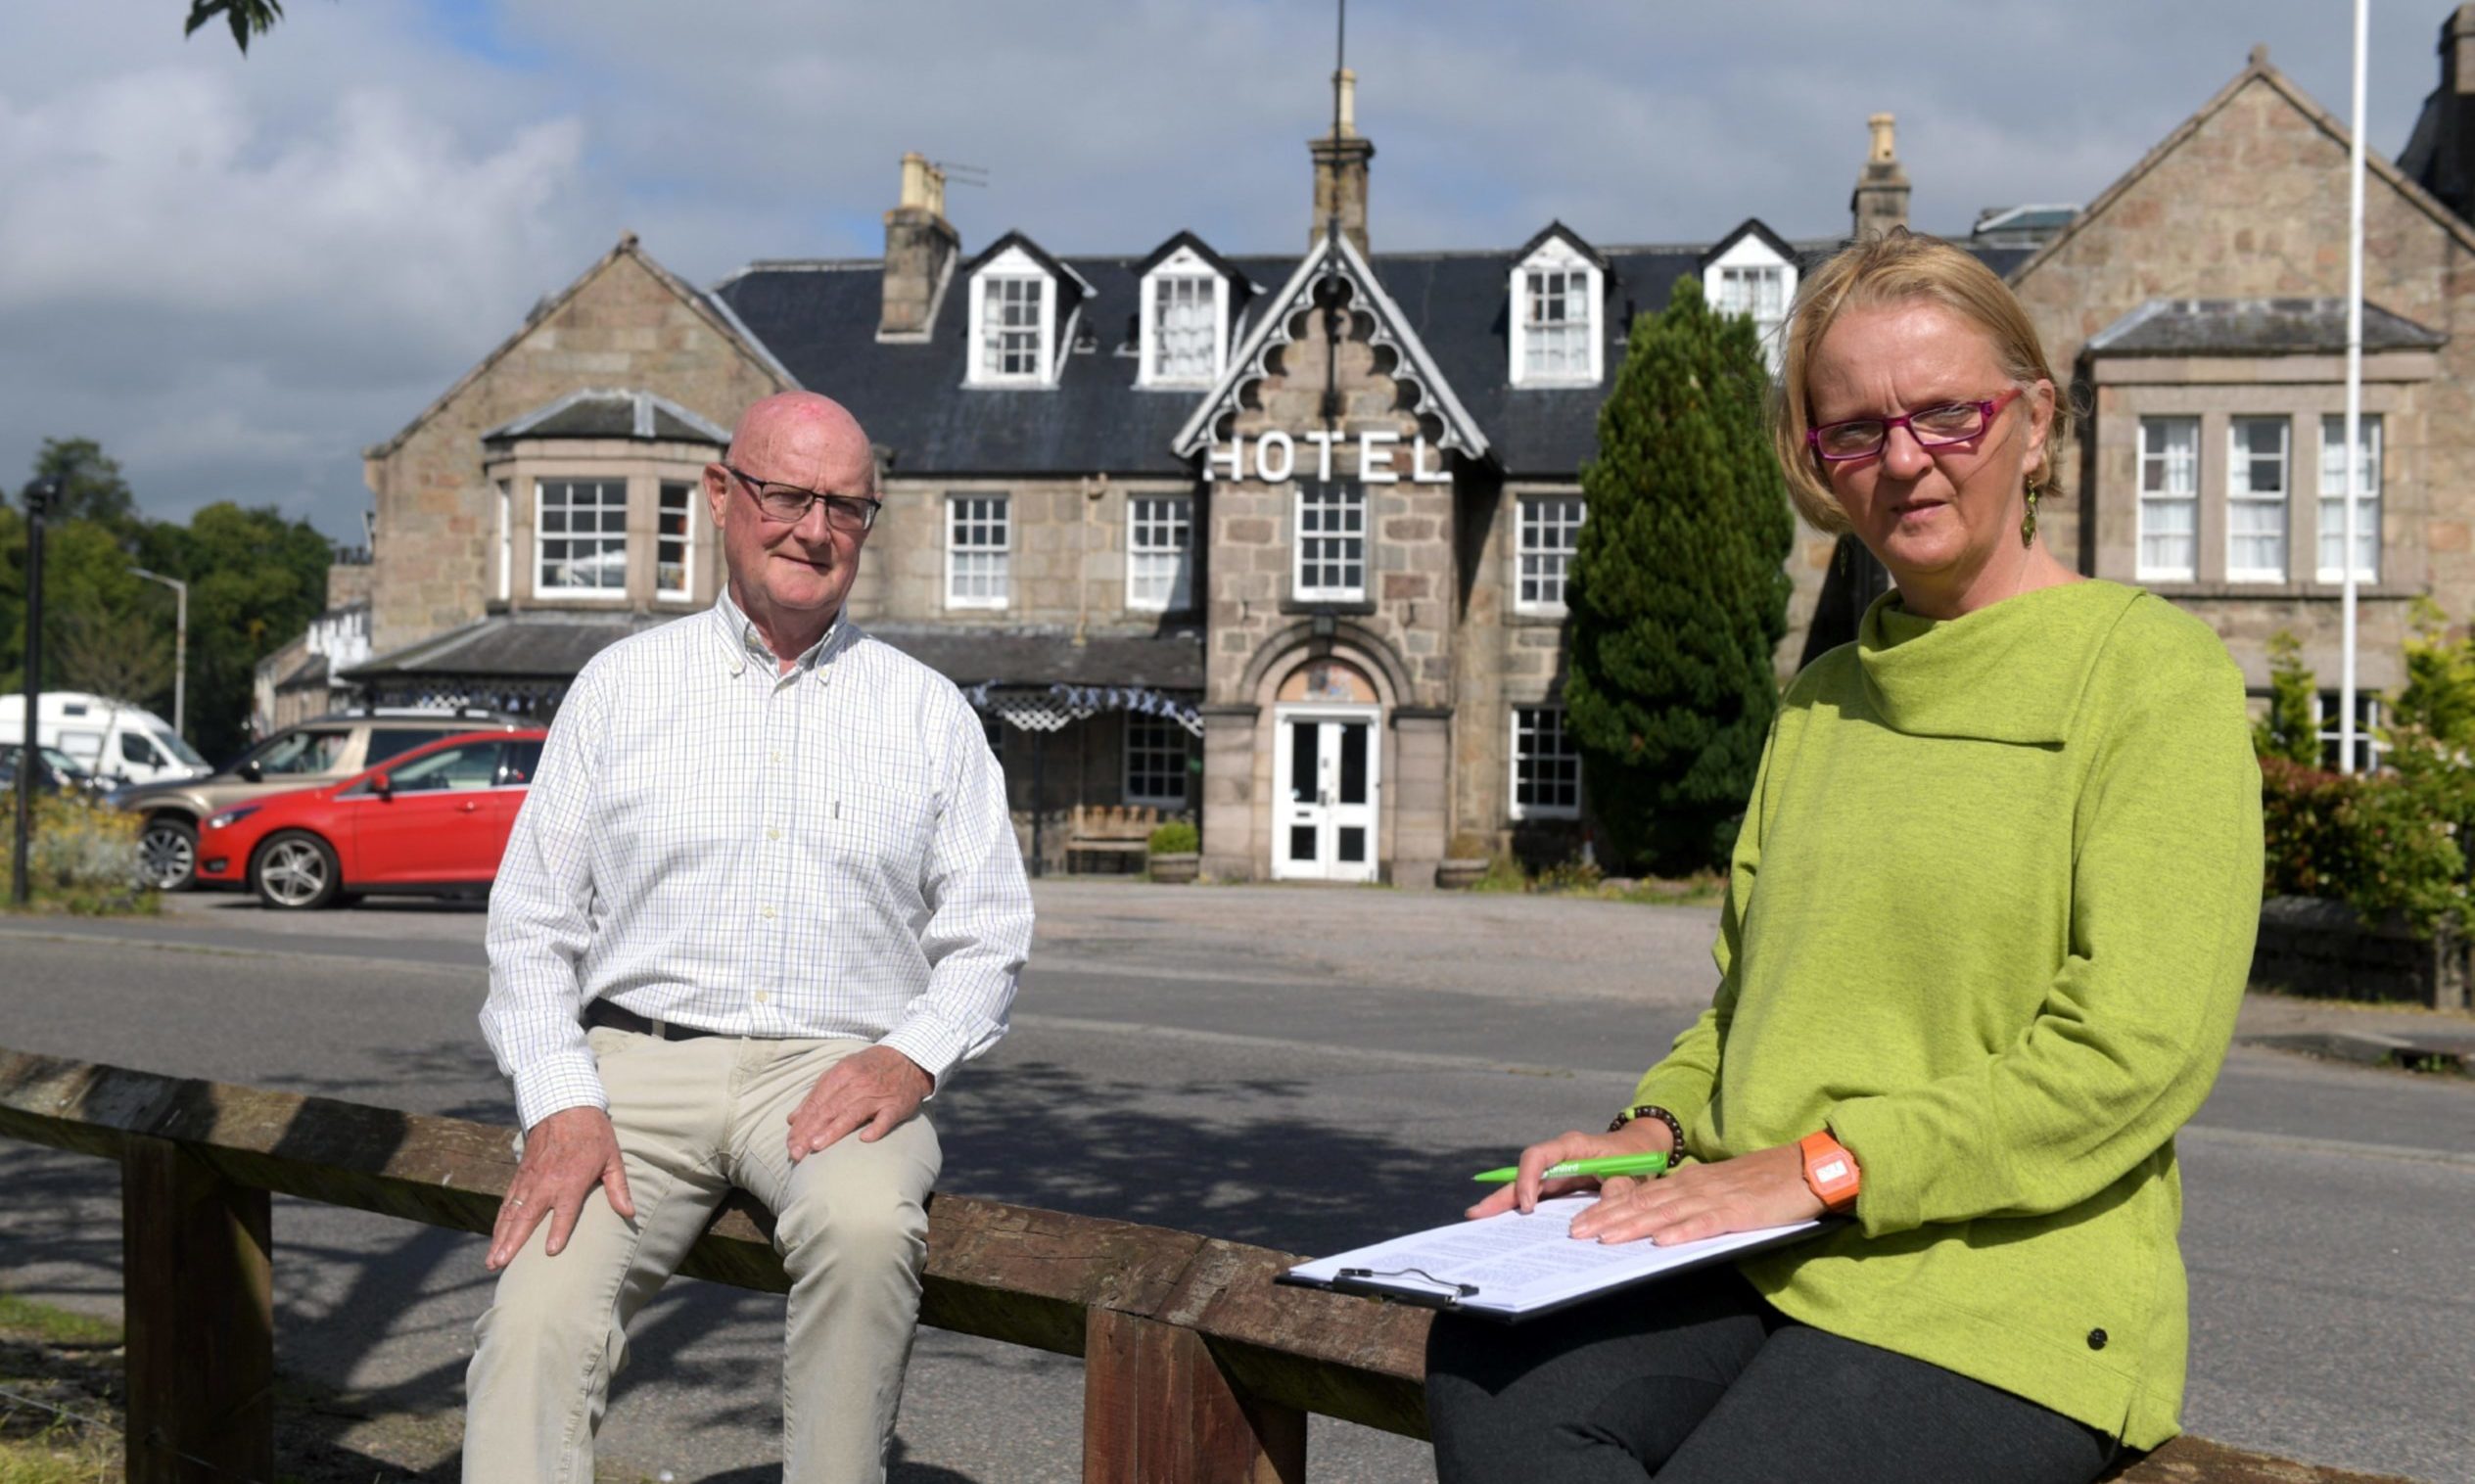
(1764, 1188)
(1643, 1135)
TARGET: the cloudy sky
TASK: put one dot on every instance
(237, 272)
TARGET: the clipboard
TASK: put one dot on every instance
(1509, 1267)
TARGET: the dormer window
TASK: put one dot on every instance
(1009, 324)
(1753, 272)
(1185, 329)
(1557, 288)
(1026, 307)
(1186, 305)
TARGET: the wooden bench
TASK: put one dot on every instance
(1116, 830)
(1196, 1369)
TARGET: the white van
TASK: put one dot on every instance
(107, 737)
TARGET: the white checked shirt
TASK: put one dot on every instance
(826, 853)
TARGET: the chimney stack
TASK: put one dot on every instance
(1880, 200)
(1340, 168)
(2455, 99)
(921, 248)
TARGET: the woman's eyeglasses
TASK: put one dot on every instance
(788, 504)
(1935, 427)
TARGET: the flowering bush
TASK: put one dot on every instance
(84, 855)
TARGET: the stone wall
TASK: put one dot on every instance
(1402, 634)
(626, 323)
(1067, 562)
(2253, 202)
(2311, 946)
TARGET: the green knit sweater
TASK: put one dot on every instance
(1989, 921)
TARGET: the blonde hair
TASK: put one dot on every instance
(1901, 268)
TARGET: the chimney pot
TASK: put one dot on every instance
(921, 248)
(1340, 168)
(1880, 201)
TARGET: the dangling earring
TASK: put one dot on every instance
(2028, 523)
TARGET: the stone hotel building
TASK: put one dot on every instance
(1277, 543)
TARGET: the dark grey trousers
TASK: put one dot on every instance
(1696, 1380)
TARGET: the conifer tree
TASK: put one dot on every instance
(1678, 592)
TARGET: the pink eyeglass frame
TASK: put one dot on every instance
(1987, 410)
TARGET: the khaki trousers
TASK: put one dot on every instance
(695, 1118)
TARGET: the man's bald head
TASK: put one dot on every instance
(803, 439)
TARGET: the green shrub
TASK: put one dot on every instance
(1177, 837)
(2439, 699)
(83, 856)
(2289, 731)
(1469, 846)
(2382, 843)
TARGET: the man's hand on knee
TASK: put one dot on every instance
(565, 1157)
(870, 1090)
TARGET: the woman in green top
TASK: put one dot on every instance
(1988, 925)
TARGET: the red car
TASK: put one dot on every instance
(433, 821)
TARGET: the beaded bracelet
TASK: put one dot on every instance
(1675, 1130)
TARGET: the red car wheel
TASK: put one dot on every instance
(294, 871)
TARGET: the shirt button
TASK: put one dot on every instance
(777, 756)
(765, 912)
(773, 834)
(760, 996)
(2096, 1339)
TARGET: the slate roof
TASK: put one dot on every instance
(528, 646)
(611, 412)
(2255, 327)
(1169, 660)
(820, 317)
(509, 646)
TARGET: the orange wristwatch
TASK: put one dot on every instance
(1830, 1170)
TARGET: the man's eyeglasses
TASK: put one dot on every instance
(1935, 427)
(788, 504)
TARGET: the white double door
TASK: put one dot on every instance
(1325, 782)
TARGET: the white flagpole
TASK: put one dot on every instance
(2353, 393)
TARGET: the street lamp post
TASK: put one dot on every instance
(39, 497)
(181, 648)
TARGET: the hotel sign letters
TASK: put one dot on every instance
(1275, 458)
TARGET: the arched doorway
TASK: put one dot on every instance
(1327, 773)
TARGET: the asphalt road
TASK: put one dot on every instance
(1303, 1069)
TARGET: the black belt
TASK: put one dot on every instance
(601, 1013)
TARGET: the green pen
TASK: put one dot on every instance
(1614, 1164)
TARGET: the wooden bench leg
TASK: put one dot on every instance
(198, 1304)
(1156, 1407)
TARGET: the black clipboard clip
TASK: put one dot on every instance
(1363, 1281)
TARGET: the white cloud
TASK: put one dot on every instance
(239, 271)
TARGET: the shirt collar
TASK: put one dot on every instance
(742, 645)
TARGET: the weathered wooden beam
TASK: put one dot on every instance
(1013, 1273)
(1007, 1273)
(199, 1307)
(1158, 1405)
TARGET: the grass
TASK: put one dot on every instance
(1506, 875)
(54, 1359)
(24, 1319)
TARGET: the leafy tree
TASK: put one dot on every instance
(2290, 730)
(246, 18)
(2439, 698)
(256, 580)
(92, 487)
(1678, 590)
(110, 654)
